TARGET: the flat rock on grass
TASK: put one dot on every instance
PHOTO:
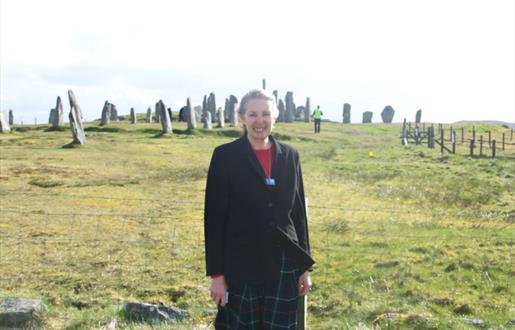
(20, 312)
(149, 312)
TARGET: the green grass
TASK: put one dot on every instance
(404, 237)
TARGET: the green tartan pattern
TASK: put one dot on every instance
(266, 306)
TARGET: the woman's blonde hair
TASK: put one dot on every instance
(258, 94)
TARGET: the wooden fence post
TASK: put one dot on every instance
(489, 138)
(471, 148)
(481, 146)
(453, 141)
(462, 135)
(474, 133)
(502, 141)
(441, 140)
(493, 149)
(511, 135)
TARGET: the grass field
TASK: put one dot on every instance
(404, 237)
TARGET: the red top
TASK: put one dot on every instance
(266, 159)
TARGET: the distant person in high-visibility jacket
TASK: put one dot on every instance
(317, 116)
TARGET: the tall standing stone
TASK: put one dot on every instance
(233, 116)
(289, 114)
(57, 119)
(166, 124)
(418, 116)
(275, 95)
(75, 118)
(170, 113)
(264, 84)
(387, 114)
(106, 114)
(211, 105)
(51, 116)
(307, 111)
(114, 113)
(11, 117)
(149, 115)
(346, 113)
(190, 115)
(4, 125)
(367, 117)
(280, 107)
(221, 116)
(158, 113)
(133, 116)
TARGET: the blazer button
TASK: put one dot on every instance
(270, 204)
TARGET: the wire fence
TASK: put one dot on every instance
(51, 247)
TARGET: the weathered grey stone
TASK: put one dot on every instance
(346, 113)
(133, 116)
(299, 112)
(198, 113)
(57, 118)
(307, 111)
(289, 113)
(106, 114)
(75, 118)
(206, 120)
(11, 117)
(148, 312)
(211, 105)
(233, 116)
(281, 109)
(221, 117)
(170, 114)
(4, 125)
(387, 114)
(166, 124)
(264, 84)
(191, 119)
(158, 112)
(20, 313)
(114, 113)
(275, 95)
(51, 116)
(418, 116)
(149, 115)
(367, 117)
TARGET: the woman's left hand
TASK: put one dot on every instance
(304, 283)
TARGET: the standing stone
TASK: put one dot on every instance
(114, 113)
(367, 117)
(207, 120)
(289, 114)
(158, 113)
(190, 115)
(51, 116)
(275, 95)
(346, 113)
(211, 105)
(418, 116)
(233, 116)
(4, 125)
(221, 117)
(170, 114)
(264, 84)
(20, 313)
(226, 110)
(57, 117)
(307, 111)
(387, 114)
(280, 108)
(149, 115)
(106, 114)
(198, 113)
(133, 116)
(11, 117)
(75, 118)
(165, 118)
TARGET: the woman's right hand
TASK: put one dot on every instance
(218, 290)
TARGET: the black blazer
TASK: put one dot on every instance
(248, 224)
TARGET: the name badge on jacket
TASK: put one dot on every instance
(270, 182)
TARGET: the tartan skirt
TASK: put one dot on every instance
(262, 306)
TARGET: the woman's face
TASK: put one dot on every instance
(258, 119)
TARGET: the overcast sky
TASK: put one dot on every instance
(454, 59)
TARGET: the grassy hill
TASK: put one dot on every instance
(403, 236)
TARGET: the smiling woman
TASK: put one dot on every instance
(255, 224)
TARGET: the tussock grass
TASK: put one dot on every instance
(403, 236)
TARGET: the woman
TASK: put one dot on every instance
(255, 225)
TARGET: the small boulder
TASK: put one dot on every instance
(20, 313)
(149, 312)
